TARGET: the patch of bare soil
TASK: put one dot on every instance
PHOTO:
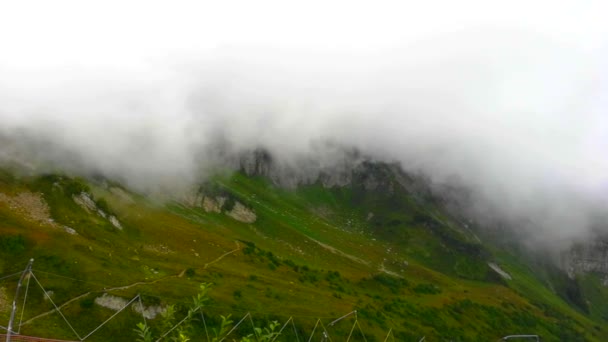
(34, 208)
(30, 205)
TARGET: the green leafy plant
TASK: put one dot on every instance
(223, 328)
(143, 332)
(181, 336)
(268, 333)
(168, 317)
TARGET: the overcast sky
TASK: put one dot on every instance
(509, 97)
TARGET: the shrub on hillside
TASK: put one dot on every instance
(427, 289)
(12, 244)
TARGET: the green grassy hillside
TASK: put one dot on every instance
(395, 257)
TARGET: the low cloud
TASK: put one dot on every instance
(515, 114)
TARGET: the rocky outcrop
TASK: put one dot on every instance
(335, 171)
(114, 221)
(219, 204)
(587, 258)
(241, 213)
(213, 205)
(86, 202)
(192, 198)
(504, 274)
(115, 303)
(345, 167)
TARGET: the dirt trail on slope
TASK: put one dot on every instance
(339, 252)
(238, 248)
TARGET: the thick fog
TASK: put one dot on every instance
(509, 101)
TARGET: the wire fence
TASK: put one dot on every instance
(288, 327)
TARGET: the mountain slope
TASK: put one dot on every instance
(376, 242)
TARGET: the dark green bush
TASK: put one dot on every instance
(12, 244)
(393, 283)
(427, 289)
(87, 303)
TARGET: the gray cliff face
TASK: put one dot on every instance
(586, 258)
(300, 172)
(349, 169)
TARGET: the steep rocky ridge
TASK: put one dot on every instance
(591, 257)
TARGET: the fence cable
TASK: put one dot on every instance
(178, 324)
(111, 317)
(141, 306)
(138, 297)
(11, 275)
(389, 334)
(326, 333)
(255, 333)
(361, 330)
(295, 330)
(280, 331)
(313, 330)
(234, 328)
(55, 305)
(205, 325)
(351, 330)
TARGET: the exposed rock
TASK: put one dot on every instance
(85, 202)
(500, 271)
(192, 198)
(335, 171)
(70, 230)
(211, 205)
(587, 258)
(111, 302)
(114, 221)
(117, 303)
(343, 167)
(150, 312)
(241, 213)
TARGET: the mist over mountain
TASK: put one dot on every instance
(513, 111)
